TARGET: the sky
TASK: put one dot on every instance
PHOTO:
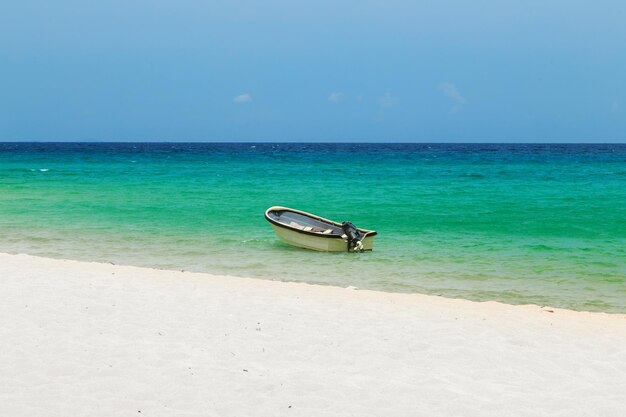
(313, 71)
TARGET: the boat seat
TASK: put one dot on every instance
(327, 231)
(308, 229)
(296, 225)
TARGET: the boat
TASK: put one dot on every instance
(306, 230)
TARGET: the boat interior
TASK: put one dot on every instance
(305, 223)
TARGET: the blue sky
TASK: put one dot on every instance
(381, 71)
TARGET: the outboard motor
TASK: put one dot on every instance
(354, 236)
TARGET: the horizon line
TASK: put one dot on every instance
(310, 142)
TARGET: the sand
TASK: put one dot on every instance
(90, 339)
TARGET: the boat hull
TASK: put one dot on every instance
(318, 243)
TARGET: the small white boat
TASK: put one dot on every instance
(305, 230)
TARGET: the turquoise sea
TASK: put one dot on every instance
(541, 224)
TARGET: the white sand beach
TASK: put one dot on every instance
(88, 339)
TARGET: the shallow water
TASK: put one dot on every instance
(543, 224)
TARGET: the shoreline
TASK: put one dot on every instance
(406, 296)
(93, 339)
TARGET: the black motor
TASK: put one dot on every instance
(354, 236)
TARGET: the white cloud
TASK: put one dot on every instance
(615, 107)
(242, 98)
(387, 101)
(450, 91)
(334, 97)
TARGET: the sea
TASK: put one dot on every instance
(537, 224)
